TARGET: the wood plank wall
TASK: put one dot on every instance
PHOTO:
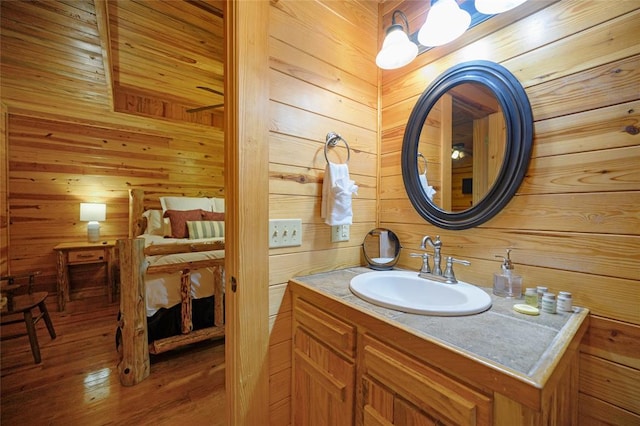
(322, 78)
(53, 166)
(574, 224)
(66, 145)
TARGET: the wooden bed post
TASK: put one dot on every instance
(134, 365)
(218, 306)
(136, 208)
(186, 308)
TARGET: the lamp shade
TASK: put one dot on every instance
(492, 7)
(93, 212)
(397, 50)
(445, 22)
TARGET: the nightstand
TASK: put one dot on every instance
(69, 254)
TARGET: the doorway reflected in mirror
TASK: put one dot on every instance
(464, 138)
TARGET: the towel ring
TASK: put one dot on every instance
(332, 140)
(424, 160)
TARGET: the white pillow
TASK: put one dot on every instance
(185, 203)
(217, 204)
(155, 222)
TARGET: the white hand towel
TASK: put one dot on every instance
(337, 189)
(428, 189)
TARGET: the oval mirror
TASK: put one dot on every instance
(467, 145)
(381, 248)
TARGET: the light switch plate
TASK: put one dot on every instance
(339, 233)
(285, 232)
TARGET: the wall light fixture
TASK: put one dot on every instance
(457, 151)
(445, 22)
(397, 50)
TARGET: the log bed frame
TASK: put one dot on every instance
(134, 365)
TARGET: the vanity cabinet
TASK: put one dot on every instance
(393, 388)
(323, 367)
(398, 389)
(354, 364)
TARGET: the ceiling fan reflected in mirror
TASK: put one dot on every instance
(206, 107)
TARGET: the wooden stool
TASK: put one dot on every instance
(24, 304)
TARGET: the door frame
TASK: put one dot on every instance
(247, 211)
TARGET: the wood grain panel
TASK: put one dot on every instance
(306, 67)
(619, 383)
(608, 213)
(296, 122)
(179, 55)
(281, 145)
(606, 42)
(285, 89)
(595, 412)
(280, 413)
(344, 38)
(613, 340)
(605, 85)
(595, 171)
(286, 179)
(308, 208)
(283, 267)
(608, 127)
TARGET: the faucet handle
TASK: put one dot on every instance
(448, 273)
(426, 268)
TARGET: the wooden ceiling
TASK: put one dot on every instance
(143, 57)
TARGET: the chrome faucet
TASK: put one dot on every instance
(436, 274)
(425, 268)
(449, 276)
(437, 246)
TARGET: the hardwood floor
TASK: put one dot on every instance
(77, 382)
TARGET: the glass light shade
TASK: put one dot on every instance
(93, 213)
(492, 7)
(445, 22)
(397, 50)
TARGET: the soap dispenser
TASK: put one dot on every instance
(506, 283)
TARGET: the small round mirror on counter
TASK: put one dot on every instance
(381, 249)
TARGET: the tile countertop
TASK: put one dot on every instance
(525, 344)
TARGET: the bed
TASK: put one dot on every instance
(171, 278)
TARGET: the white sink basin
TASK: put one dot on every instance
(406, 291)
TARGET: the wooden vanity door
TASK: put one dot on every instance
(323, 384)
(397, 389)
(384, 408)
(323, 367)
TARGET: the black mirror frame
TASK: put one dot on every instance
(519, 134)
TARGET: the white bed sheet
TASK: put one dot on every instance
(163, 290)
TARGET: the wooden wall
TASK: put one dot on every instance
(66, 145)
(322, 78)
(54, 166)
(574, 224)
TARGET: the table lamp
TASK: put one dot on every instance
(93, 213)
